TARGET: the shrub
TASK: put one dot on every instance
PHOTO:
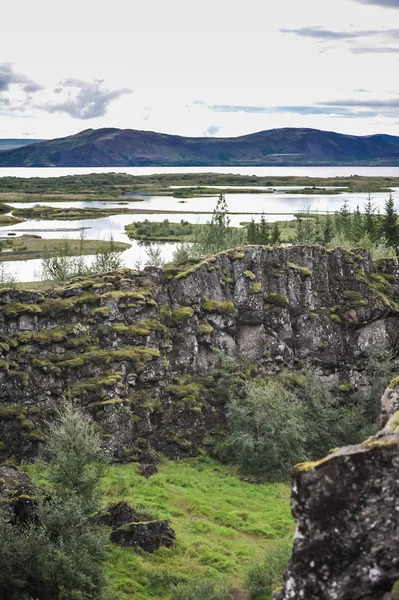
(204, 589)
(266, 575)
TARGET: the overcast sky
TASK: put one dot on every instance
(199, 67)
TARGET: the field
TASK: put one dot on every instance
(28, 247)
(222, 525)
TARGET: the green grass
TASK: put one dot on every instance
(222, 525)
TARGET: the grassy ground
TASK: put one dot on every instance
(7, 220)
(222, 525)
(28, 247)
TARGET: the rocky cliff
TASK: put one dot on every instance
(347, 511)
(136, 349)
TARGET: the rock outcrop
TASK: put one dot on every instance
(347, 511)
(18, 492)
(136, 349)
(133, 529)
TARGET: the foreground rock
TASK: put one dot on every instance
(347, 511)
(136, 350)
(134, 529)
(17, 490)
(149, 536)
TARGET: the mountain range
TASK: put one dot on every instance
(274, 147)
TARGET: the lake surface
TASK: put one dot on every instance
(281, 203)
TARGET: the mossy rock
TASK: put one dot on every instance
(205, 328)
(219, 306)
(302, 270)
(346, 387)
(182, 314)
(250, 275)
(276, 299)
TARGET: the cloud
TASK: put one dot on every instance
(320, 33)
(386, 3)
(211, 130)
(375, 50)
(324, 108)
(10, 77)
(84, 100)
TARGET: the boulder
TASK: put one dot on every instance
(148, 469)
(118, 514)
(18, 491)
(147, 535)
(346, 507)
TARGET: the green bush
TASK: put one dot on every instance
(201, 589)
(265, 576)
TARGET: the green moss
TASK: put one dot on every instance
(346, 387)
(335, 318)
(27, 424)
(205, 328)
(276, 299)
(182, 314)
(237, 256)
(138, 354)
(314, 315)
(12, 412)
(184, 274)
(17, 308)
(144, 327)
(395, 591)
(36, 435)
(219, 306)
(354, 298)
(2, 446)
(250, 275)
(139, 294)
(394, 383)
(302, 270)
(228, 280)
(393, 423)
(256, 288)
(101, 311)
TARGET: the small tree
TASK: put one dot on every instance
(60, 554)
(275, 236)
(390, 227)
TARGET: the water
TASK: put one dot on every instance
(282, 204)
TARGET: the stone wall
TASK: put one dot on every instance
(136, 349)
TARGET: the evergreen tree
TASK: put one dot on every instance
(390, 227)
(370, 222)
(275, 236)
(357, 225)
(345, 219)
(328, 231)
(252, 233)
(264, 231)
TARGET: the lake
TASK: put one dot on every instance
(282, 204)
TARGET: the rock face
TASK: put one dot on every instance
(347, 511)
(17, 490)
(136, 349)
(149, 536)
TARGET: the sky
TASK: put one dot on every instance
(199, 67)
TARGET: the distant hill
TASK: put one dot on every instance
(12, 144)
(275, 147)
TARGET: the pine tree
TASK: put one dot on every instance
(345, 219)
(252, 234)
(264, 231)
(275, 234)
(328, 231)
(358, 228)
(390, 227)
(370, 223)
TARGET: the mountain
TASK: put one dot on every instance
(12, 144)
(132, 148)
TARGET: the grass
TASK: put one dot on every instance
(222, 524)
(29, 247)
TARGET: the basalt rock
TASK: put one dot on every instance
(118, 514)
(136, 349)
(149, 535)
(347, 511)
(17, 490)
